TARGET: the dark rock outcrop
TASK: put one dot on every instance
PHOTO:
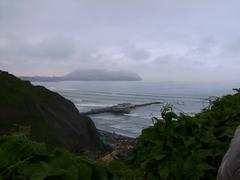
(52, 118)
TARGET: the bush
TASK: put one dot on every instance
(184, 147)
(24, 159)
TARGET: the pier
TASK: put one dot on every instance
(119, 108)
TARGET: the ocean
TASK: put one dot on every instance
(185, 97)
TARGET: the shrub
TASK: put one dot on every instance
(185, 147)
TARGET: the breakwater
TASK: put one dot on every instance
(119, 108)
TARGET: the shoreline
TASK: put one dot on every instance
(113, 137)
(119, 145)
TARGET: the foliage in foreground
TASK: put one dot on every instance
(24, 159)
(21, 158)
(184, 147)
(178, 147)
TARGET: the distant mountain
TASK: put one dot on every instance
(103, 75)
(90, 75)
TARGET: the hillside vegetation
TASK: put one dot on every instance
(24, 159)
(184, 147)
(52, 118)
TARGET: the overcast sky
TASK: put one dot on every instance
(177, 40)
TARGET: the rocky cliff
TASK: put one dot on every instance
(52, 118)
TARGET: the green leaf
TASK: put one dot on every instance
(163, 172)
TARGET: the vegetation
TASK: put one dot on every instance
(21, 158)
(24, 159)
(177, 147)
(184, 147)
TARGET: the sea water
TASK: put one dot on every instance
(185, 97)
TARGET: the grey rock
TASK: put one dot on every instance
(230, 166)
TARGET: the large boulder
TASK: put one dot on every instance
(230, 166)
(52, 118)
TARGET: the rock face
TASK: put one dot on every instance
(230, 166)
(52, 118)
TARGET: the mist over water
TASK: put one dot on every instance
(186, 97)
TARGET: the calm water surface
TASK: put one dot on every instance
(185, 97)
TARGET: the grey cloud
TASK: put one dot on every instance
(163, 36)
(164, 60)
(9, 10)
(136, 53)
(57, 48)
(232, 46)
(51, 49)
(204, 46)
(177, 61)
(229, 52)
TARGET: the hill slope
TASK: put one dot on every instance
(53, 119)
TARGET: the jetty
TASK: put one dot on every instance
(119, 108)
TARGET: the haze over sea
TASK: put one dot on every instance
(187, 97)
